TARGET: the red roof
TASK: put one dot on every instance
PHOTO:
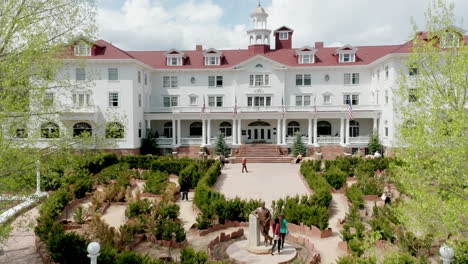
(195, 59)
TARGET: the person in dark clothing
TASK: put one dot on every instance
(276, 236)
(184, 188)
(244, 164)
(283, 228)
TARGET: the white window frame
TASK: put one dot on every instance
(351, 78)
(259, 80)
(310, 59)
(49, 98)
(82, 50)
(114, 99)
(213, 81)
(302, 100)
(193, 100)
(213, 60)
(259, 100)
(113, 74)
(346, 57)
(215, 101)
(81, 99)
(351, 96)
(139, 100)
(171, 100)
(80, 74)
(170, 82)
(139, 76)
(174, 60)
(387, 72)
(325, 101)
(302, 78)
(386, 97)
(283, 35)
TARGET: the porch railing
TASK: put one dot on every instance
(164, 141)
(290, 140)
(329, 140)
(359, 140)
(191, 141)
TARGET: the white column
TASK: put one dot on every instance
(234, 132)
(347, 131)
(174, 130)
(374, 125)
(179, 132)
(315, 133)
(203, 133)
(284, 131)
(342, 131)
(278, 132)
(239, 132)
(208, 140)
(309, 133)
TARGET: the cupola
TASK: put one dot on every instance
(259, 35)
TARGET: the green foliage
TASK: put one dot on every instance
(370, 186)
(374, 144)
(221, 147)
(301, 210)
(356, 246)
(402, 258)
(353, 259)
(191, 175)
(355, 195)
(412, 245)
(203, 221)
(67, 248)
(298, 146)
(149, 144)
(79, 215)
(49, 210)
(157, 182)
(190, 256)
(80, 182)
(335, 177)
(128, 257)
(170, 211)
(116, 171)
(167, 229)
(139, 207)
(311, 165)
(4, 233)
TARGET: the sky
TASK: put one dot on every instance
(222, 24)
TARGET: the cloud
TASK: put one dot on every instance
(181, 24)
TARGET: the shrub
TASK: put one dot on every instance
(128, 257)
(370, 186)
(300, 210)
(383, 227)
(203, 221)
(335, 177)
(167, 229)
(51, 208)
(139, 207)
(112, 173)
(221, 147)
(352, 259)
(157, 182)
(356, 246)
(79, 215)
(355, 195)
(400, 258)
(190, 176)
(80, 182)
(171, 211)
(67, 248)
(298, 145)
(190, 256)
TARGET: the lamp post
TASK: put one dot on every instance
(93, 250)
(446, 254)
(38, 178)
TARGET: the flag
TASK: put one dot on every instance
(315, 106)
(203, 109)
(283, 107)
(234, 113)
(350, 111)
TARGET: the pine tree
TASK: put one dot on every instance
(221, 146)
(149, 144)
(374, 143)
(298, 146)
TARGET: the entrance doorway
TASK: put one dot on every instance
(259, 132)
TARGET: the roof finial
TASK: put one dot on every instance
(259, 4)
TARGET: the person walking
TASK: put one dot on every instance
(276, 236)
(283, 229)
(222, 159)
(184, 188)
(244, 165)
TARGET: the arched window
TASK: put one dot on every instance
(167, 129)
(50, 130)
(353, 128)
(115, 130)
(259, 123)
(226, 129)
(196, 129)
(82, 129)
(324, 128)
(293, 127)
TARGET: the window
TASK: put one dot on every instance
(324, 128)
(139, 76)
(139, 129)
(113, 99)
(386, 131)
(378, 74)
(215, 81)
(303, 79)
(139, 100)
(326, 99)
(413, 71)
(113, 74)
(351, 99)
(258, 100)
(81, 99)
(450, 40)
(283, 35)
(387, 73)
(351, 78)
(215, 101)
(21, 133)
(50, 130)
(226, 129)
(174, 61)
(170, 101)
(82, 49)
(259, 80)
(80, 74)
(386, 96)
(82, 129)
(347, 57)
(293, 127)
(167, 132)
(169, 81)
(302, 100)
(353, 128)
(146, 78)
(412, 95)
(48, 99)
(212, 60)
(115, 130)
(193, 100)
(196, 129)
(306, 59)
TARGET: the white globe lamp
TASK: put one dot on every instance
(93, 250)
(446, 254)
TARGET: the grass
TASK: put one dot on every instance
(5, 205)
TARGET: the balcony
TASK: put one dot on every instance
(81, 113)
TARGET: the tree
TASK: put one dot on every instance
(432, 137)
(374, 143)
(149, 144)
(298, 146)
(33, 35)
(221, 146)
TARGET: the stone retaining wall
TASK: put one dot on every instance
(307, 243)
(310, 230)
(227, 224)
(223, 237)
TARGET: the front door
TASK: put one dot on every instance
(259, 132)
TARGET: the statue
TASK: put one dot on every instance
(264, 216)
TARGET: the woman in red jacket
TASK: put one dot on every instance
(276, 236)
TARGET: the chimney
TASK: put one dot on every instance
(318, 45)
(199, 48)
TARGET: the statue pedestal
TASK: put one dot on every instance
(254, 237)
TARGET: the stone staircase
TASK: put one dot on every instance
(261, 153)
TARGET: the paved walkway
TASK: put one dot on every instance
(20, 247)
(266, 181)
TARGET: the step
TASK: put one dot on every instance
(263, 160)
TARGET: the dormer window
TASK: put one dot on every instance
(83, 49)
(174, 58)
(346, 54)
(306, 55)
(450, 40)
(212, 57)
(283, 35)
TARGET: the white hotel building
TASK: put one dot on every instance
(254, 95)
